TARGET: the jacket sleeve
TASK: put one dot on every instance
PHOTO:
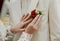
(2, 31)
(1, 37)
(9, 35)
(25, 37)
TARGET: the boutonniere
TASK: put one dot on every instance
(35, 12)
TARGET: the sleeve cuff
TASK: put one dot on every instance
(25, 37)
(9, 30)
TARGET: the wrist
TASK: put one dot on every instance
(12, 30)
(29, 32)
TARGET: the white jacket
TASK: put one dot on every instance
(16, 11)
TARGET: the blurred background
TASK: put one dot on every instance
(4, 12)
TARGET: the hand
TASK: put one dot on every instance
(33, 26)
(23, 21)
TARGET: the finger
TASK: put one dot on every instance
(29, 15)
(34, 21)
(28, 21)
(25, 16)
(22, 17)
(38, 21)
(20, 30)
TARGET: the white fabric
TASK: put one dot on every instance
(16, 11)
(2, 31)
(25, 37)
(54, 18)
(47, 6)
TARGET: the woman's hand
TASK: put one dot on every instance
(33, 26)
(23, 21)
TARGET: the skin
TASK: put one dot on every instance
(33, 26)
(25, 19)
(27, 24)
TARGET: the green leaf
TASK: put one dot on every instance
(39, 12)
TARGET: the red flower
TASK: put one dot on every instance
(33, 13)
